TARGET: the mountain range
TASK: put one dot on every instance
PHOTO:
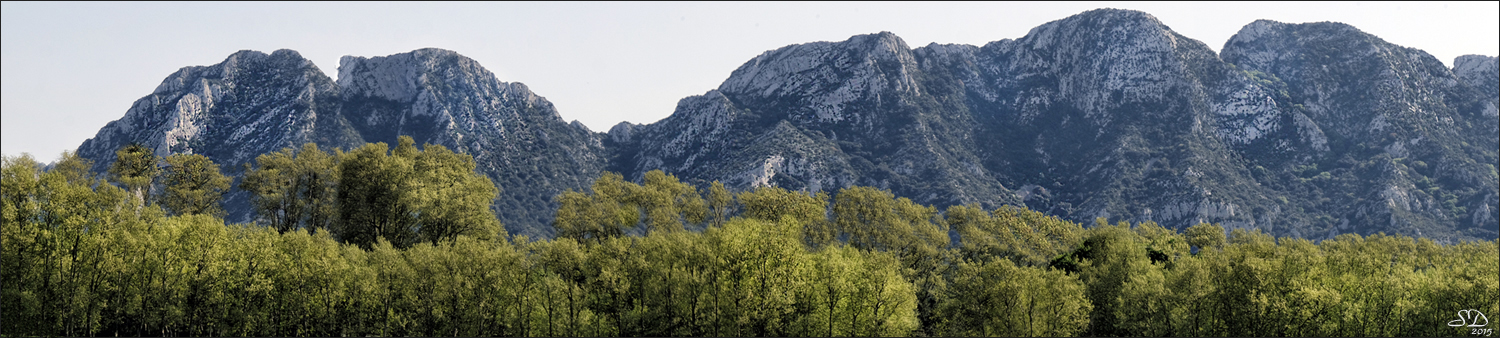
(1308, 130)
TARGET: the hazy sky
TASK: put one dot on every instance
(70, 68)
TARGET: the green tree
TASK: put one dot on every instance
(192, 184)
(758, 267)
(604, 213)
(134, 168)
(410, 195)
(811, 210)
(915, 234)
(876, 220)
(74, 169)
(615, 206)
(668, 202)
(1111, 256)
(720, 204)
(857, 293)
(371, 205)
(999, 299)
(1025, 237)
(450, 198)
(1205, 236)
(293, 190)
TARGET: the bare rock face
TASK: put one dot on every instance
(823, 116)
(1307, 130)
(1411, 144)
(1109, 113)
(1483, 74)
(251, 103)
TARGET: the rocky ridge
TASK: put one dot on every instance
(253, 103)
(1108, 113)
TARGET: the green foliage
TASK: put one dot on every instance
(294, 190)
(720, 203)
(1205, 236)
(668, 202)
(134, 169)
(371, 205)
(73, 168)
(1000, 299)
(79, 257)
(858, 293)
(876, 220)
(602, 214)
(449, 197)
(616, 206)
(772, 203)
(192, 184)
(407, 196)
(1027, 237)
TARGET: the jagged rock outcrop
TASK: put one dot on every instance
(250, 104)
(1412, 144)
(231, 112)
(1110, 114)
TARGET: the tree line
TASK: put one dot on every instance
(382, 241)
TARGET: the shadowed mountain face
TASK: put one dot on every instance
(1306, 130)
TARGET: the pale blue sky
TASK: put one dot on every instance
(69, 68)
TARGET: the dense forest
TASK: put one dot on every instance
(401, 242)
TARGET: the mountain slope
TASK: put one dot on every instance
(1108, 114)
(253, 103)
(1411, 145)
(250, 104)
(516, 137)
(1307, 130)
(823, 116)
(231, 112)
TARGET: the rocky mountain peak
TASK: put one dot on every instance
(1378, 104)
(827, 75)
(1480, 71)
(622, 132)
(1101, 28)
(249, 96)
(402, 77)
(1259, 44)
(883, 46)
(1477, 67)
(252, 103)
(1318, 61)
(1096, 62)
(1483, 73)
(241, 62)
(436, 90)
